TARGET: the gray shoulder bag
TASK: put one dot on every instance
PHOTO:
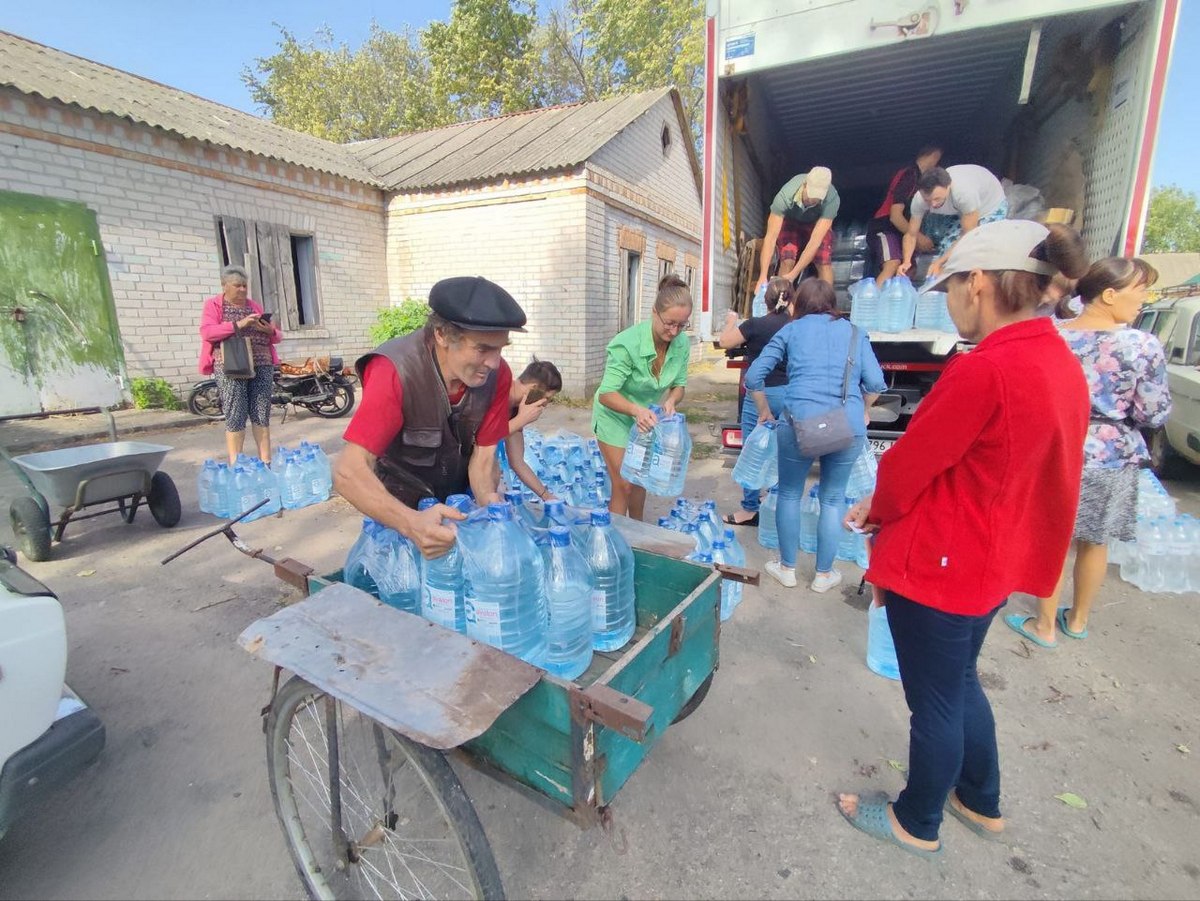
(830, 431)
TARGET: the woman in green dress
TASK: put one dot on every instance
(647, 364)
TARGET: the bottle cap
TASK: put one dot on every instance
(560, 536)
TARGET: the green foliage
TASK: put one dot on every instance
(153, 392)
(491, 57)
(392, 322)
(1173, 222)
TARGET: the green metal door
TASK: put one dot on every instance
(59, 342)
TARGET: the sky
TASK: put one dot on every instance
(203, 48)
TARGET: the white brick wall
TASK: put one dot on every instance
(156, 196)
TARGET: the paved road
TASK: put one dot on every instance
(735, 802)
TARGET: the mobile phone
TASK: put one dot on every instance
(266, 317)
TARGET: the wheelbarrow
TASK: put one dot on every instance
(76, 478)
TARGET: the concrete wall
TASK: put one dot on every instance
(156, 196)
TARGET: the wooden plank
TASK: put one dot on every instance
(287, 277)
(268, 266)
(234, 232)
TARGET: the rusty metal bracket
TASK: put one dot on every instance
(737, 573)
(613, 710)
(294, 573)
(676, 640)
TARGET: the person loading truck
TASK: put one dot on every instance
(885, 232)
(960, 199)
(800, 227)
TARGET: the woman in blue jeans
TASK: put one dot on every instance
(754, 334)
(815, 347)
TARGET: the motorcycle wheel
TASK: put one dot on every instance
(341, 402)
(205, 400)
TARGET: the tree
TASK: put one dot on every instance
(1173, 222)
(377, 91)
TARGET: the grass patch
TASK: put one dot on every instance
(701, 415)
(572, 403)
(705, 450)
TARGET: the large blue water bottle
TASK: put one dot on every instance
(881, 652)
(206, 486)
(735, 548)
(669, 457)
(360, 561)
(862, 475)
(613, 612)
(635, 466)
(691, 531)
(810, 515)
(768, 537)
(399, 575)
(864, 305)
(569, 586)
(505, 598)
(758, 305)
(442, 586)
(245, 491)
(757, 464)
(709, 521)
(731, 591)
(222, 491)
(292, 493)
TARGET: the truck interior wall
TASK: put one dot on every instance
(994, 131)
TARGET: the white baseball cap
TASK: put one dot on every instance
(816, 183)
(1008, 244)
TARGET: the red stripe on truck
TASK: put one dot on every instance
(710, 152)
(1162, 57)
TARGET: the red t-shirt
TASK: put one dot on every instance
(380, 413)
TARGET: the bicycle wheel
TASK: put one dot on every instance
(395, 823)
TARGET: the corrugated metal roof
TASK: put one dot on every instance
(543, 140)
(33, 68)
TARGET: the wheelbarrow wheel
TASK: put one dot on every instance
(31, 527)
(695, 700)
(164, 500)
(407, 828)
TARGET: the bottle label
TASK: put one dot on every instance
(660, 468)
(439, 606)
(487, 621)
(599, 610)
(635, 456)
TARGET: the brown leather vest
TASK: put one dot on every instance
(429, 456)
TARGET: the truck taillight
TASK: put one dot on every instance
(731, 436)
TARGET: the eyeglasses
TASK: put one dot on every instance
(673, 326)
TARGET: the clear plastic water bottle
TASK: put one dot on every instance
(1179, 552)
(810, 515)
(1133, 570)
(442, 585)
(757, 464)
(862, 475)
(206, 486)
(399, 574)
(691, 531)
(264, 490)
(731, 591)
(613, 606)
(279, 458)
(318, 476)
(865, 306)
(709, 521)
(245, 491)
(767, 535)
(1156, 556)
(359, 566)
(735, 548)
(526, 517)
(635, 466)
(504, 590)
(292, 493)
(1193, 526)
(669, 457)
(881, 651)
(891, 306)
(569, 586)
(221, 491)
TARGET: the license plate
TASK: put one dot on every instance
(879, 445)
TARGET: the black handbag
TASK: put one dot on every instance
(828, 432)
(237, 357)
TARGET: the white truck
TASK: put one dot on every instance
(1062, 95)
(1175, 321)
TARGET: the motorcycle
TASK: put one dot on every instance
(327, 392)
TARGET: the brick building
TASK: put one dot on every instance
(120, 200)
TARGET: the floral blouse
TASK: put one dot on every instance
(1127, 377)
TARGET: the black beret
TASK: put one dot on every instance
(474, 303)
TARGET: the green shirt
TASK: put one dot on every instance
(787, 202)
(627, 371)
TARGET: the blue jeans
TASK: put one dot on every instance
(751, 498)
(793, 470)
(952, 736)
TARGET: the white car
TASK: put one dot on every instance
(1176, 323)
(47, 734)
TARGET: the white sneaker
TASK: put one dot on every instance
(824, 581)
(782, 575)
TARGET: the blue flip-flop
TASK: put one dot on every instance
(1016, 622)
(871, 818)
(978, 828)
(1062, 625)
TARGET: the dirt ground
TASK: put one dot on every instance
(736, 802)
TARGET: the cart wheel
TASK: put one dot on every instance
(31, 526)
(410, 829)
(695, 700)
(164, 500)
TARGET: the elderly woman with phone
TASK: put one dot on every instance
(233, 314)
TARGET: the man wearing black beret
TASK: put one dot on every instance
(434, 406)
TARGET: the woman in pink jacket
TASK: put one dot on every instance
(227, 314)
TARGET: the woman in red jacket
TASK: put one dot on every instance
(972, 504)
